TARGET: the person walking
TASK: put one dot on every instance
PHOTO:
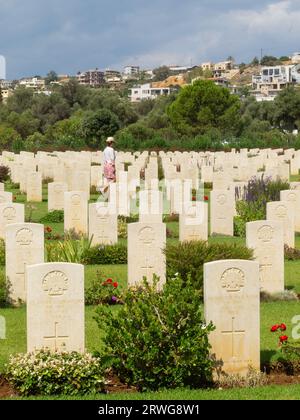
(109, 157)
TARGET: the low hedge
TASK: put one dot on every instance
(106, 255)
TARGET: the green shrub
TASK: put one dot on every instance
(4, 173)
(45, 373)
(252, 203)
(68, 251)
(159, 340)
(187, 258)
(2, 252)
(291, 351)
(291, 254)
(171, 218)
(122, 229)
(4, 291)
(247, 212)
(106, 255)
(56, 216)
(103, 292)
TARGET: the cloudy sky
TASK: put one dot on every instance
(73, 35)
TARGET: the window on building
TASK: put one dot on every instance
(265, 72)
(271, 72)
(277, 72)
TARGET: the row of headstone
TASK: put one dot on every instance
(55, 308)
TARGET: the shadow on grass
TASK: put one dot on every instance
(267, 356)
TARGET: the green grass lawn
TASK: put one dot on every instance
(271, 313)
(291, 392)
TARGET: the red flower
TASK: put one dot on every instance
(116, 285)
(283, 338)
(48, 229)
(194, 199)
(275, 328)
(206, 198)
(109, 281)
(282, 327)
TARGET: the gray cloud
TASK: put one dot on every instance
(36, 36)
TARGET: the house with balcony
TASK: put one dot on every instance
(92, 78)
(273, 79)
(147, 91)
(222, 68)
(131, 72)
(36, 83)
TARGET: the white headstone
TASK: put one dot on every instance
(283, 211)
(10, 213)
(24, 246)
(6, 197)
(56, 192)
(34, 187)
(146, 243)
(265, 237)
(103, 226)
(222, 212)
(151, 206)
(294, 197)
(232, 304)
(76, 212)
(55, 307)
(193, 224)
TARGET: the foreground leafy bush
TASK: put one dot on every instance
(45, 373)
(159, 340)
(252, 203)
(56, 216)
(187, 258)
(106, 255)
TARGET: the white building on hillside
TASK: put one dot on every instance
(146, 91)
(273, 79)
(296, 58)
(131, 71)
(35, 83)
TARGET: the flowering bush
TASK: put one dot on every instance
(252, 202)
(159, 340)
(107, 292)
(280, 328)
(45, 373)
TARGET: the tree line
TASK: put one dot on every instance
(201, 116)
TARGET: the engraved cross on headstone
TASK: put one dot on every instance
(57, 341)
(234, 333)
